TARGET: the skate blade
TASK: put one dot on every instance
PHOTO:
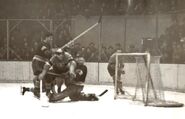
(21, 90)
(45, 105)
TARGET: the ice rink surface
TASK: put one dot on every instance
(15, 106)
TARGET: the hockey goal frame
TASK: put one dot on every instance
(148, 57)
(149, 82)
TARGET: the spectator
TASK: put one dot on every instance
(93, 57)
(132, 48)
(76, 49)
(103, 54)
(177, 54)
(92, 47)
(81, 53)
(110, 51)
(118, 47)
(87, 54)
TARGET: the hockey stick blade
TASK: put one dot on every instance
(101, 94)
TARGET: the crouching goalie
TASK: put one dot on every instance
(63, 63)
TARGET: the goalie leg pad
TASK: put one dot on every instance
(71, 91)
(88, 97)
(36, 82)
(36, 92)
(119, 83)
(59, 96)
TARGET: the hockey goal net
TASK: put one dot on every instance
(139, 75)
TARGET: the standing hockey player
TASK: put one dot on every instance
(111, 69)
(41, 57)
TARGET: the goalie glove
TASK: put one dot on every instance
(79, 72)
(72, 75)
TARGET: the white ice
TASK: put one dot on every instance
(15, 106)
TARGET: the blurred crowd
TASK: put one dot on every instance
(54, 9)
(22, 43)
(93, 53)
(172, 43)
(25, 38)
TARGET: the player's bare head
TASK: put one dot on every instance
(118, 51)
(59, 51)
(48, 37)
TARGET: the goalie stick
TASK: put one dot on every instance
(101, 94)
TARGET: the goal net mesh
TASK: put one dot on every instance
(139, 75)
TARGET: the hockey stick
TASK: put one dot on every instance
(74, 39)
(44, 102)
(101, 94)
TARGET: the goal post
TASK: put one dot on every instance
(118, 61)
(141, 80)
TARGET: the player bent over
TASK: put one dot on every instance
(42, 56)
(80, 71)
(64, 63)
(111, 69)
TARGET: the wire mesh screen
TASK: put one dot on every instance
(141, 80)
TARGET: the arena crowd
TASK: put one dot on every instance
(22, 43)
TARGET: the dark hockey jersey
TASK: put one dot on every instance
(60, 62)
(43, 50)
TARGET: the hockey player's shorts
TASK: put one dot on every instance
(38, 64)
